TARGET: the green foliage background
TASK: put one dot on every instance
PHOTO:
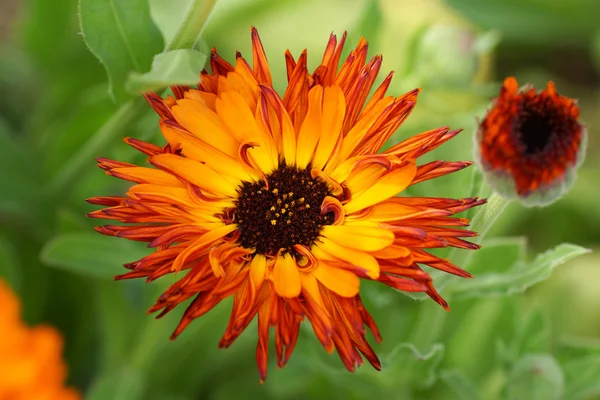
(71, 75)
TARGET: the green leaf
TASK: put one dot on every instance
(464, 388)
(498, 254)
(19, 182)
(581, 367)
(121, 34)
(408, 364)
(121, 384)
(91, 254)
(168, 18)
(175, 67)
(522, 276)
(536, 377)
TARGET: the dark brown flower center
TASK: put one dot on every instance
(282, 213)
(536, 132)
(540, 123)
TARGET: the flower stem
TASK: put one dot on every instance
(115, 126)
(193, 23)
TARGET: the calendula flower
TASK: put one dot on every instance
(531, 143)
(31, 366)
(283, 201)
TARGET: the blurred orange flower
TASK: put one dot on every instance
(31, 367)
(284, 203)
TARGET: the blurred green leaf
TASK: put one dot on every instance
(580, 359)
(122, 36)
(175, 67)
(407, 363)
(536, 377)
(10, 268)
(582, 377)
(498, 254)
(167, 17)
(519, 278)
(91, 254)
(533, 21)
(18, 180)
(369, 24)
(120, 384)
(464, 388)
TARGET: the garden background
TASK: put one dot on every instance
(528, 325)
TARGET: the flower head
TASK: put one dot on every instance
(30, 358)
(531, 143)
(283, 201)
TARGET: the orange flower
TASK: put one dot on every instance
(530, 144)
(284, 203)
(31, 367)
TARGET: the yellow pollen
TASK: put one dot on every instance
(275, 191)
(283, 210)
(273, 222)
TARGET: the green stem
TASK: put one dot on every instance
(192, 25)
(481, 223)
(114, 127)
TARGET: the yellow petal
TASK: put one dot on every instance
(385, 187)
(258, 269)
(343, 282)
(205, 124)
(196, 173)
(328, 249)
(286, 277)
(310, 131)
(365, 238)
(334, 110)
(235, 114)
(194, 148)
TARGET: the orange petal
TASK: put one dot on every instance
(359, 237)
(310, 131)
(286, 277)
(196, 173)
(334, 110)
(385, 187)
(330, 250)
(341, 281)
(258, 269)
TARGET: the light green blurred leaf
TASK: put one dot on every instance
(536, 377)
(522, 276)
(167, 17)
(122, 36)
(582, 377)
(91, 254)
(580, 359)
(464, 388)
(498, 254)
(408, 364)
(120, 384)
(175, 67)
(10, 270)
